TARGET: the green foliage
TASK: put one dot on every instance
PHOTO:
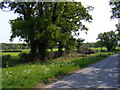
(108, 39)
(24, 57)
(32, 74)
(9, 60)
(28, 75)
(115, 5)
(118, 30)
(41, 23)
(71, 44)
(6, 60)
(79, 43)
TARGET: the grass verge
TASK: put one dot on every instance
(29, 75)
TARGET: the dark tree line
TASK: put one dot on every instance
(13, 46)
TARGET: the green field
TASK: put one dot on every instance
(104, 48)
(11, 53)
(55, 49)
(23, 50)
(28, 75)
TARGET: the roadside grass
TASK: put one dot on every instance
(30, 74)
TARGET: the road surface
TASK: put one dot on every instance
(103, 74)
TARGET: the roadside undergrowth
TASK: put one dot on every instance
(30, 74)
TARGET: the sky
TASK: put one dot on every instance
(101, 22)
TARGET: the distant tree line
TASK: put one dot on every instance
(14, 46)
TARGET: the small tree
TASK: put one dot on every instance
(71, 44)
(108, 39)
(79, 42)
(100, 44)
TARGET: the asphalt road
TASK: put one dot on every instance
(104, 74)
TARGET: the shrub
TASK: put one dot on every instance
(6, 60)
(50, 55)
(24, 57)
(89, 51)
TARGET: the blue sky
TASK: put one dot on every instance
(101, 21)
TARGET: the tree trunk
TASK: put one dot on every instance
(109, 49)
(33, 48)
(51, 49)
(60, 47)
(114, 47)
(78, 49)
(67, 48)
(42, 51)
(101, 49)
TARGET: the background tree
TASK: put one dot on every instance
(79, 43)
(100, 44)
(108, 39)
(71, 44)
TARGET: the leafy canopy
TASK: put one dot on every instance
(108, 39)
(40, 23)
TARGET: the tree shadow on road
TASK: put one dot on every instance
(100, 75)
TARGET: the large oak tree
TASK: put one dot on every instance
(40, 23)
